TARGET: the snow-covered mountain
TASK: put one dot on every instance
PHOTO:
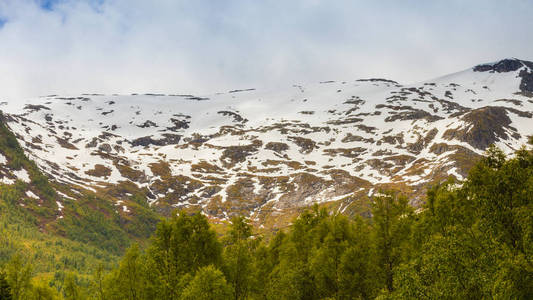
(269, 153)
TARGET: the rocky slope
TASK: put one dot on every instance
(267, 154)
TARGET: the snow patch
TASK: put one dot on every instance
(59, 206)
(31, 195)
(22, 174)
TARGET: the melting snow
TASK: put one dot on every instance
(22, 174)
(6, 180)
(31, 195)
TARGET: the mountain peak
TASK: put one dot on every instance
(504, 65)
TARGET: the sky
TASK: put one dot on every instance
(207, 46)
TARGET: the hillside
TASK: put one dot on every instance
(267, 154)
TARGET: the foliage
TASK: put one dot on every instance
(471, 240)
(208, 284)
(5, 289)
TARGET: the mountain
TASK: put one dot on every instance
(265, 154)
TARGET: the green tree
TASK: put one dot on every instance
(208, 284)
(358, 266)
(181, 245)
(43, 291)
(19, 276)
(502, 191)
(98, 283)
(238, 257)
(266, 259)
(5, 290)
(71, 289)
(293, 277)
(333, 236)
(391, 223)
(514, 279)
(475, 237)
(128, 281)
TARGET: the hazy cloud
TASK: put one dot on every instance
(202, 46)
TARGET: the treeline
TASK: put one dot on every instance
(472, 240)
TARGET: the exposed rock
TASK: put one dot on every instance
(168, 139)
(414, 114)
(346, 152)
(378, 80)
(147, 124)
(236, 154)
(307, 112)
(392, 139)
(526, 85)
(178, 124)
(92, 143)
(512, 101)
(65, 144)
(367, 129)
(236, 117)
(33, 108)
(505, 65)
(356, 138)
(485, 126)
(99, 171)
(345, 121)
(306, 145)
(105, 147)
(422, 142)
(277, 147)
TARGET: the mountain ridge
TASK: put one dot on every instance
(267, 155)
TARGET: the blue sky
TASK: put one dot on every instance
(206, 46)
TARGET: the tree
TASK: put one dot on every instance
(358, 266)
(333, 237)
(391, 225)
(208, 284)
(127, 282)
(18, 277)
(181, 245)
(240, 230)
(238, 257)
(502, 193)
(71, 289)
(266, 259)
(5, 290)
(475, 239)
(514, 279)
(98, 283)
(43, 291)
(293, 277)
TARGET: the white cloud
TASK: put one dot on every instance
(126, 46)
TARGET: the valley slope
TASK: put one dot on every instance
(268, 154)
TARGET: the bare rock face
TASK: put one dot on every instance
(167, 139)
(511, 65)
(526, 85)
(504, 65)
(277, 147)
(237, 154)
(306, 145)
(484, 127)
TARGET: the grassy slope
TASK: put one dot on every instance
(91, 231)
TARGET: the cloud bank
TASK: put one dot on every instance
(207, 46)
